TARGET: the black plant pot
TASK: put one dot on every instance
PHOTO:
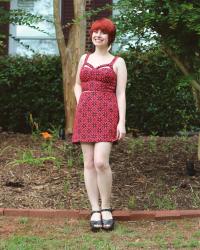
(62, 134)
(190, 168)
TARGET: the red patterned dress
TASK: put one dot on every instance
(97, 113)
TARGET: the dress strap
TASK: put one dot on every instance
(86, 58)
(113, 60)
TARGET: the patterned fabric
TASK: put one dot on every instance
(97, 113)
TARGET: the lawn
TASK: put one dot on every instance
(52, 234)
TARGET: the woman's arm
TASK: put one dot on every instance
(77, 86)
(121, 96)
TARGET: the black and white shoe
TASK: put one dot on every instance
(95, 225)
(107, 224)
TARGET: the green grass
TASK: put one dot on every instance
(23, 220)
(58, 234)
(30, 243)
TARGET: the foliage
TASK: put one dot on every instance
(33, 87)
(28, 158)
(172, 25)
(159, 98)
(175, 23)
(30, 86)
(20, 17)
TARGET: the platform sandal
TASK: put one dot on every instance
(107, 224)
(95, 225)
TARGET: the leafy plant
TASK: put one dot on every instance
(195, 197)
(34, 90)
(23, 220)
(152, 146)
(28, 158)
(70, 162)
(132, 202)
(164, 202)
(136, 144)
(66, 186)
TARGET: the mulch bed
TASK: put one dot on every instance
(148, 173)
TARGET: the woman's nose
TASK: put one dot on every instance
(99, 32)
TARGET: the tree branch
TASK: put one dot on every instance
(182, 67)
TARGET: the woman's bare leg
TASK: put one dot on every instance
(104, 174)
(90, 177)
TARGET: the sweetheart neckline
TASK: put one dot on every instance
(99, 67)
(105, 64)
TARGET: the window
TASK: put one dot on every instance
(38, 41)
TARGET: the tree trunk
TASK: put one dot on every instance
(194, 83)
(199, 148)
(70, 54)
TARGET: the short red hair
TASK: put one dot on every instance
(107, 26)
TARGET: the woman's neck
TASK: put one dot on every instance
(101, 51)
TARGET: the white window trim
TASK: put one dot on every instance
(12, 30)
(115, 45)
(12, 44)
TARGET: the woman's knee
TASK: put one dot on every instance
(89, 165)
(101, 165)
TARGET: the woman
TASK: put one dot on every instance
(100, 118)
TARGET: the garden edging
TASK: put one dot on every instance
(121, 215)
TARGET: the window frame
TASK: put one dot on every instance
(12, 44)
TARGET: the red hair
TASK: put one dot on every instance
(107, 26)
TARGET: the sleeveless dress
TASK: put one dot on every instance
(97, 113)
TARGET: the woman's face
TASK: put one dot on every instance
(99, 38)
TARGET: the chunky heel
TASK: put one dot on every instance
(107, 224)
(95, 225)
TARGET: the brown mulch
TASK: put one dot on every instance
(148, 173)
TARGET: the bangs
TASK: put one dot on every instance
(101, 26)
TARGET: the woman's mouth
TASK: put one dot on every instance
(98, 40)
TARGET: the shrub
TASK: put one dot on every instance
(159, 99)
(30, 85)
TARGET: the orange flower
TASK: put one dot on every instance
(46, 135)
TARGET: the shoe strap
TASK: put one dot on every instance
(107, 210)
(95, 211)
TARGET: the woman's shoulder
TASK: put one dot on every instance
(82, 58)
(120, 60)
(84, 55)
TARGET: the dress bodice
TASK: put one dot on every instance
(101, 78)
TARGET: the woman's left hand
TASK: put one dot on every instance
(121, 131)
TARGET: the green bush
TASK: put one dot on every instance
(159, 99)
(30, 85)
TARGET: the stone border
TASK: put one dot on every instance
(120, 215)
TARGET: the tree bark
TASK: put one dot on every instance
(198, 154)
(70, 54)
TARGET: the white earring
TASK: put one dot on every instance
(109, 47)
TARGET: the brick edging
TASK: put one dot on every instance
(120, 215)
